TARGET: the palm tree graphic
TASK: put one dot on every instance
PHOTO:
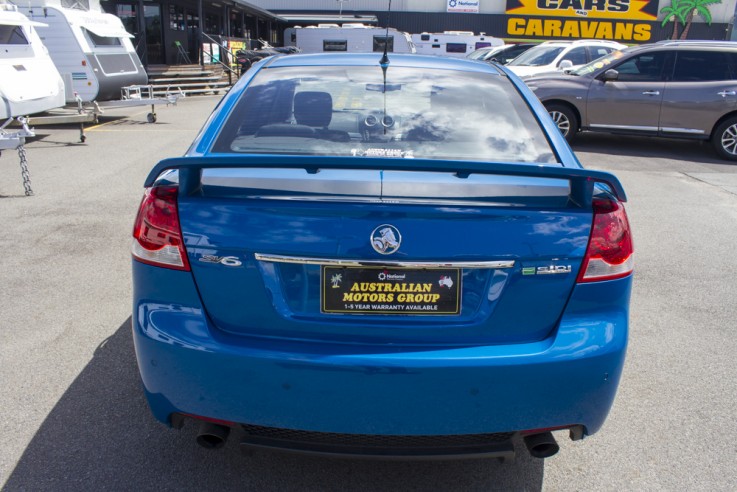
(336, 280)
(684, 11)
(673, 12)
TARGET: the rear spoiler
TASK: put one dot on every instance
(582, 180)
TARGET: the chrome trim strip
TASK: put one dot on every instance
(336, 182)
(626, 127)
(385, 263)
(650, 129)
(389, 200)
(682, 130)
(429, 186)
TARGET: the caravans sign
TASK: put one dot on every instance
(598, 19)
(463, 6)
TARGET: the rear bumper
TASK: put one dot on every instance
(188, 366)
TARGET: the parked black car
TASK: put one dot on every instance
(246, 58)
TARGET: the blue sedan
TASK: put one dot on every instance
(393, 256)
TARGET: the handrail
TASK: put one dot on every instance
(138, 49)
(226, 66)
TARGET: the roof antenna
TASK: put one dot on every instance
(384, 62)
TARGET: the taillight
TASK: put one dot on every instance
(610, 253)
(157, 235)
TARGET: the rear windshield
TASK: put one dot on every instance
(352, 111)
(599, 63)
(537, 56)
(478, 54)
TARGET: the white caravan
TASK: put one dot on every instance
(452, 43)
(349, 38)
(91, 49)
(29, 82)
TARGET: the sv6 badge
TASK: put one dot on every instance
(223, 260)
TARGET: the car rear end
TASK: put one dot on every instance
(374, 296)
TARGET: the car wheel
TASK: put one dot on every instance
(724, 139)
(565, 119)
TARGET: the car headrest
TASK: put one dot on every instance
(313, 108)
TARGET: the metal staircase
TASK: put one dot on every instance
(188, 79)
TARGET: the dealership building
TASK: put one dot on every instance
(174, 31)
(169, 31)
(626, 21)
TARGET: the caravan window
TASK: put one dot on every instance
(380, 41)
(102, 40)
(335, 45)
(455, 48)
(12, 35)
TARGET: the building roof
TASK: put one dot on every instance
(254, 9)
(310, 19)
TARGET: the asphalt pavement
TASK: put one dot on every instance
(72, 411)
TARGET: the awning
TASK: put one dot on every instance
(106, 31)
(26, 22)
(103, 25)
(311, 19)
(256, 10)
(13, 18)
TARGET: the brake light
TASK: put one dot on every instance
(157, 235)
(610, 253)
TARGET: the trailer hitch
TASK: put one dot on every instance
(16, 140)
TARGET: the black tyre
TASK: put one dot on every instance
(724, 139)
(565, 119)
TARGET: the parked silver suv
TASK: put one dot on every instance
(681, 89)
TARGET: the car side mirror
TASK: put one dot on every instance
(565, 64)
(610, 75)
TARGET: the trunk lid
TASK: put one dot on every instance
(266, 244)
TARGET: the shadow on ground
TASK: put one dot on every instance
(42, 140)
(668, 148)
(134, 120)
(101, 436)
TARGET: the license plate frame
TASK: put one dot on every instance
(369, 290)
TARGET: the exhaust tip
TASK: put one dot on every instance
(212, 436)
(541, 445)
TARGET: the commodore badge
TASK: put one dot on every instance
(386, 239)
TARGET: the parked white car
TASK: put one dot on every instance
(551, 56)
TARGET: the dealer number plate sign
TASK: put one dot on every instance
(379, 290)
